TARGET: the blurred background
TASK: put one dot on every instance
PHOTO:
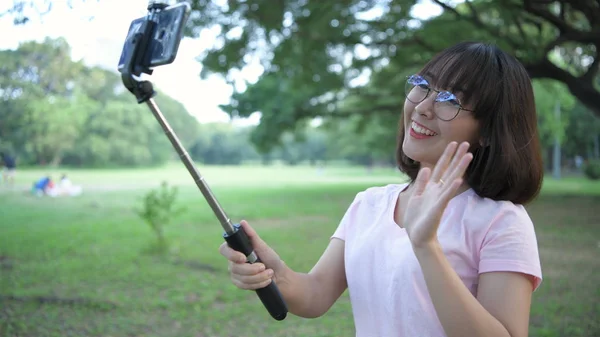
(289, 108)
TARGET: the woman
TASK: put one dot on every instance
(453, 252)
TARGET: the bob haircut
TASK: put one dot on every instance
(507, 165)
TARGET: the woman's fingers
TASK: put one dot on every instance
(250, 276)
(458, 172)
(230, 254)
(256, 278)
(442, 163)
(245, 269)
(450, 173)
(421, 180)
(251, 286)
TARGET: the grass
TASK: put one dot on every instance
(82, 267)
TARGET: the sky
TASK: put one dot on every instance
(96, 30)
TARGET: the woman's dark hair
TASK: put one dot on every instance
(508, 164)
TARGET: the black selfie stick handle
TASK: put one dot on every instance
(270, 296)
(135, 64)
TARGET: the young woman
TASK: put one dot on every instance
(453, 252)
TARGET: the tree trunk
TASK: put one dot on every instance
(556, 159)
(556, 153)
(56, 160)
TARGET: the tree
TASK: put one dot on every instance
(221, 144)
(36, 83)
(582, 134)
(364, 140)
(321, 50)
(57, 111)
(552, 101)
(550, 96)
(328, 46)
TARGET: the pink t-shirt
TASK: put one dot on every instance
(385, 282)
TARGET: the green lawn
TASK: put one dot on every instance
(80, 267)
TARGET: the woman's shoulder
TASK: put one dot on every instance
(486, 212)
(376, 195)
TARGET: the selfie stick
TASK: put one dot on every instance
(234, 235)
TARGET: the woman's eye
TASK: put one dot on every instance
(454, 102)
(423, 86)
(448, 98)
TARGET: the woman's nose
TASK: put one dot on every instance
(425, 108)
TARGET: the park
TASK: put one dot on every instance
(86, 266)
(136, 251)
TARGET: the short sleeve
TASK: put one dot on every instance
(511, 245)
(348, 218)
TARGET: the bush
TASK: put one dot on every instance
(158, 209)
(592, 169)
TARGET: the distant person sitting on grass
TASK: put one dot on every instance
(9, 164)
(42, 186)
(66, 187)
(453, 251)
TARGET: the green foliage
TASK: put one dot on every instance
(60, 112)
(56, 111)
(582, 132)
(315, 53)
(222, 144)
(158, 210)
(592, 169)
(549, 96)
(364, 139)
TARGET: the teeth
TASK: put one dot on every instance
(421, 130)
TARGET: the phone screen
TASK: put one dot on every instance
(164, 43)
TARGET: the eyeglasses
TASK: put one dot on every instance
(446, 104)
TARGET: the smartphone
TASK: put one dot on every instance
(164, 43)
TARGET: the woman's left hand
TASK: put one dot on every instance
(432, 191)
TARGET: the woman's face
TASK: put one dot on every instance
(426, 135)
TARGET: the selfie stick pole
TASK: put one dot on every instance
(234, 235)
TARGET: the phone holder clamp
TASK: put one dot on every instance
(135, 64)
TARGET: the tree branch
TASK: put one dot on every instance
(591, 37)
(519, 24)
(474, 19)
(546, 69)
(578, 86)
(448, 8)
(562, 26)
(583, 37)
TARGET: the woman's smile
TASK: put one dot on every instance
(419, 131)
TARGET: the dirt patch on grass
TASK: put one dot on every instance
(6, 263)
(73, 301)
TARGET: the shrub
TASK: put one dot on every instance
(592, 169)
(158, 209)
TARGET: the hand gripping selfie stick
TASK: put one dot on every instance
(234, 235)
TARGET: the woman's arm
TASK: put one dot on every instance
(501, 308)
(310, 295)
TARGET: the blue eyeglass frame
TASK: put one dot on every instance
(442, 96)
